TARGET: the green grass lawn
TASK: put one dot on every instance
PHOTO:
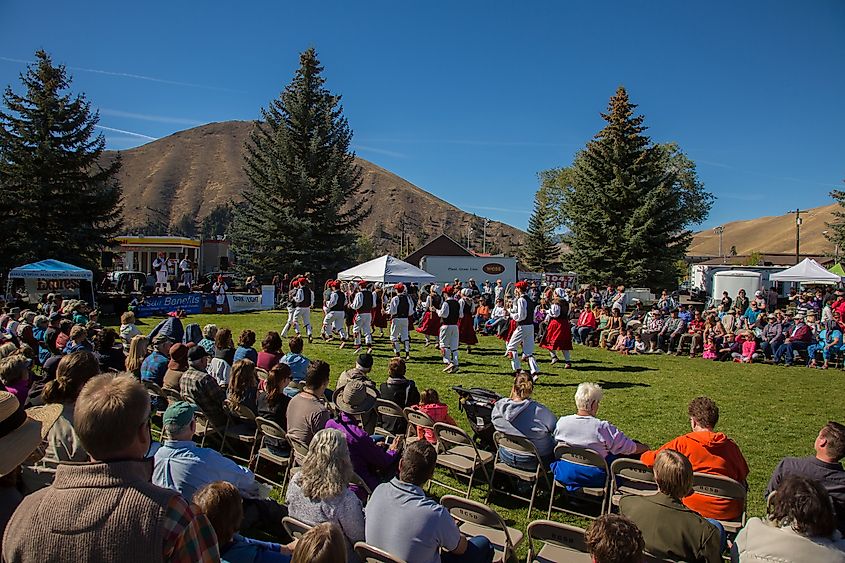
(771, 412)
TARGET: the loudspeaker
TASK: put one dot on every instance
(106, 260)
(224, 263)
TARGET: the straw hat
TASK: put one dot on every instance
(355, 398)
(22, 431)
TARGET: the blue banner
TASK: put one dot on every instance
(192, 303)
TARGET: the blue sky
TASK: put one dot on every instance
(469, 100)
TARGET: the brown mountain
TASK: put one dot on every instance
(770, 235)
(190, 172)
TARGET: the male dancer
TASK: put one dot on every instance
(302, 301)
(291, 307)
(363, 305)
(400, 309)
(522, 311)
(450, 314)
(160, 269)
(334, 319)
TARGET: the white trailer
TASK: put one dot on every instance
(734, 280)
(446, 268)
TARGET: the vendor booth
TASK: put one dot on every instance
(387, 270)
(50, 276)
(807, 271)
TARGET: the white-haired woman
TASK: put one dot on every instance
(320, 491)
(209, 332)
(584, 430)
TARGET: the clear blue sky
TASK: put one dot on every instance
(469, 100)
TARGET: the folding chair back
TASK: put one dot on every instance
(521, 446)
(262, 374)
(478, 519)
(239, 427)
(630, 477)
(459, 454)
(390, 411)
(722, 487)
(561, 542)
(172, 395)
(266, 428)
(300, 450)
(295, 528)
(595, 495)
(370, 554)
(417, 419)
(155, 391)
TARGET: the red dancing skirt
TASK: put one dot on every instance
(430, 324)
(466, 332)
(558, 336)
(512, 324)
(379, 318)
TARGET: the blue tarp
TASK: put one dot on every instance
(51, 270)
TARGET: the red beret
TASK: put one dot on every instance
(400, 287)
(363, 283)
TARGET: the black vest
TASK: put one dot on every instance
(368, 301)
(454, 311)
(435, 301)
(467, 305)
(341, 301)
(403, 308)
(529, 317)
(306, 298)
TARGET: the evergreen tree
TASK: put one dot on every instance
(61, 201)
(540, 251)
(303, 205)
(836, 228)
(217, 222)
(630, 204)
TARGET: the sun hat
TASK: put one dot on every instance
(178, 357)
(21, 431)
(179, 413)
(355, 398)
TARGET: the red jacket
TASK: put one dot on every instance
(587, 318)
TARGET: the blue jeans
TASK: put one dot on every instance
(723, 536)
(518, 461)
(789, 348)
(479, 550)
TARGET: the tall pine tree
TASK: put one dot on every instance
(630, 204)
(837, 226)
(540, 251)
(61, 202)
(303, 205)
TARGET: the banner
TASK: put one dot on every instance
(239, 303)
(565, 280)
(192, 303)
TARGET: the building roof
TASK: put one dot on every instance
(765, 260)
(157, 241)
(442, 245)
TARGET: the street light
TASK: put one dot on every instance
(719, 230)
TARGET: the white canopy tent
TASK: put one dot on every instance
(386, 269)
(807, 271)
(54, 275)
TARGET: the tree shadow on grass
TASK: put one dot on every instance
(623, 369)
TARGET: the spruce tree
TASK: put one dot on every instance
(630, 204)
(303, 205)
(60, 201)
(540, 251)
(837, 226)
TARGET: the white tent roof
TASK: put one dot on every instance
(807, 271)
(386, 269)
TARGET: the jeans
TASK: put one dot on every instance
(582, 333)
(518, 461)
(789, 348)
(723, 536)
(479, 550)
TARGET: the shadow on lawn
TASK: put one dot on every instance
(623, 369)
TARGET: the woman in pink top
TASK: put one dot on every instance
(271, 351)
(438, 412)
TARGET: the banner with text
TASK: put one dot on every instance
(192, 303)
(247, 302)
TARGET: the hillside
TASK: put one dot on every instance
(192, 171)
(769, 235)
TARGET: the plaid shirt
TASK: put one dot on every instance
(154, 367)
(188, 536)
(206, 393)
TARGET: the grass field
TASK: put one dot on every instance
(771, 412)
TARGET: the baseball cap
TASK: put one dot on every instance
(179, 413)
(365, 361)
(197, 353)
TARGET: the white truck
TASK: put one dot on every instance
(446, 268)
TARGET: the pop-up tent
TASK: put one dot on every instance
(386, 269)
(807, 271)
(837, 269)
(53, 273)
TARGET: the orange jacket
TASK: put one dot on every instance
(713, 453)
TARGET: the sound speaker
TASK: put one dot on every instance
(224, 263)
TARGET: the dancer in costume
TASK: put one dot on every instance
(559, 333)
(401, 309)
(291, 307)
(335, 308)
(362, 327)
(430, 322)
(379, 316)
(450, 315)
(522, 311)
(466, 331)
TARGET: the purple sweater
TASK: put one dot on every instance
(367, 457)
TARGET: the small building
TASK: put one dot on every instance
(138, 252)
(442, 245)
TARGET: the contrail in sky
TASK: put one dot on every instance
(126, 132)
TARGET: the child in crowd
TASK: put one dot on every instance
(628, 343)
(295, 360)
(619, 345)
(747, 347)
(128, 330)
(709, 349)
(438, 412)
(639, 345)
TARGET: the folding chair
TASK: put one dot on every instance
(458, 453)
(722, 487)
(523, 447)
(477, 519)
(172, 395)
(238, 427)
(370, 554)
(299, 451)
(266, 428)
(155, 392)
(416, 419)
(356, 480)
(391, 411)
(295, 528)
(559, 543)
(589, 495)
(204, 426)
(261, 373)
(629, 477)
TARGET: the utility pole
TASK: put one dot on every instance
(798, 221)
(719, 230)
(484, 236)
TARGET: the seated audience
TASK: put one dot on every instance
(584, 430)
(403, 521)
(139, 348)
(273, 405)
(209, 333)
(155, 365)
(520, 415)
(295, 360)
(78, 340)
(128, 330)
(202, 389)
(221, 503)
(135, 520)
(613, 538)
(800, 527)
(709, 452)
(307, 411)
(369, 460)
(177, 366)
(798, 339)
(401, 391)
(271, 351)
(15, 376)
(324, 543)
(182, 465)
(361, 372)
(438, 412)
(320, 491)
(669, 528)
(829, 344)
(243, 388)
(245, 351)
(825, 467)
(224, 346)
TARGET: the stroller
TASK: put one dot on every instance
(478, 403)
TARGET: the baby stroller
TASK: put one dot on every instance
(478, 403)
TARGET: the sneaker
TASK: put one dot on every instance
(310, 339)
(454, 369)
(448, 368)
(342, 345)
(535, 377)
(370, 350)
(554, 360)
(357, 350)
(567, 365)
(407, 355)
